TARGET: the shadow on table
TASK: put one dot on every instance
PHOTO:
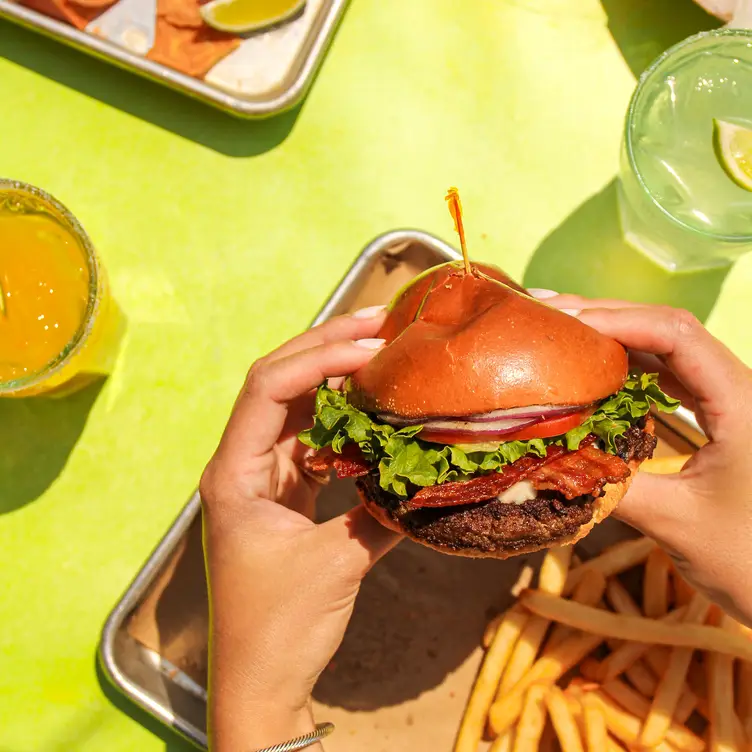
(37, 434)
(142, 98)
(417, 619)
(643, 29)
(587, 255)
(172, 741)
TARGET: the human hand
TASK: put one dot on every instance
(281, 588)
(702, 515)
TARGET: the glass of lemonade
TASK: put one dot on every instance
(59, 326)
(679, 203)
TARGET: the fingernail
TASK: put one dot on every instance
(571, 311)
(368, 313)
(369, 344)
(542, 294)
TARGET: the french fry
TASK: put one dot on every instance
(621, 601)
(684, 591)
(613, 560)
(671, 684)
(555, 569)
(687, 704)
(613, 745)
(553, 575)
(697, 677)
(546, 670)
(665, 465)
(657, 658)
(589, 591)
(491, 628)
(590, 668)
(630, 652)
(642, 678)
(563, 721)
(677, 736)
(532, 720)
(524, 580)
(481, 697)
(638, 629)
(525, 653)
(504, 742)
(720, 668)
(744, 693)
(596, 731)
(656, 584)
(621, 723)
(642, 675)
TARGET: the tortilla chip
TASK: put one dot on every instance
(75, 14)
(192, 51)
(183, 14)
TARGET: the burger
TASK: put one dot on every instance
(490, 424)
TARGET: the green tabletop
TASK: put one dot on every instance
(223, 237)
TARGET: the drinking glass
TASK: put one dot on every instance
(677, 204)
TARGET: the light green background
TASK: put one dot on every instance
(223, 238)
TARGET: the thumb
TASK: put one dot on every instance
(660, 507)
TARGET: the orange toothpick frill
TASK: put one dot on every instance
(455, 209)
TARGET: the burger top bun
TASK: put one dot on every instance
(464, 343)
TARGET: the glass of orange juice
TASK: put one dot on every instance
(59, 325)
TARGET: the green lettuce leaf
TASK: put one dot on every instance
(406, 463)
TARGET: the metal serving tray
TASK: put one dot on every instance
(310, 52)
(159, 687)
(149, 679)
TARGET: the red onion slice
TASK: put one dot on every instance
(496, 418)
(490, 426)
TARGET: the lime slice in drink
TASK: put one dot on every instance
(733, 147)
(240, 16)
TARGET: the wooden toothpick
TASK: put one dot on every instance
(455, 209)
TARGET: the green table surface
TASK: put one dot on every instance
(223, 238)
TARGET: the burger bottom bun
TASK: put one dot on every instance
(500, 537)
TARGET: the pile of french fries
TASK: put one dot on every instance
(671, 673)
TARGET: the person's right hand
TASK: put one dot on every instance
(703, 515)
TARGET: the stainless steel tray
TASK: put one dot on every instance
(310, 54)
(149, 679)
(160, 688)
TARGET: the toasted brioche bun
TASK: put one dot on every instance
(460, 344)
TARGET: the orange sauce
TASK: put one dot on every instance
(45, 286)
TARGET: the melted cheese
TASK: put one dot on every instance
(519, 493)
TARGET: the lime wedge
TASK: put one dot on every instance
(239, 16)
(733, 147)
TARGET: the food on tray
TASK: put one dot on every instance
(241, 16)
(490, 424)
(190, 49)
(188, 37)
(76, 14)
(686, 686)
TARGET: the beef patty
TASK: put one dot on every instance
(492, 525)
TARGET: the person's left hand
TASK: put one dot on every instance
(281, 588)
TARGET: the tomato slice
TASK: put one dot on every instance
(543, 430)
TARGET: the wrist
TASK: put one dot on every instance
(237, 726)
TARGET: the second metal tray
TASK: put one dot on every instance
(309, 54)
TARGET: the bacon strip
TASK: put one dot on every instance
(571, 473)
(350, 464)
